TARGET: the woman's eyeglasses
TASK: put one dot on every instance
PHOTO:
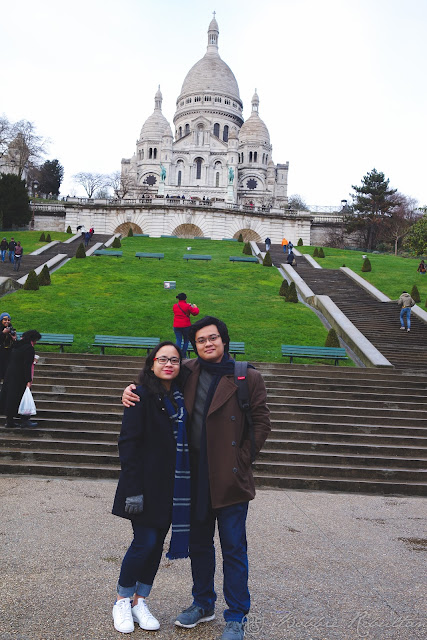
(165, 360)
(211, 338)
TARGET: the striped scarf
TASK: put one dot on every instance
(181, 493)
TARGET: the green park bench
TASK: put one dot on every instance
(125, 342)
(303, 351)
(194, 256)
(243, 259)
(230, 239)
(59, 339)
(141, 235)
(106, 252)
(201, 238)
(140, 255)
(165, 236)
(235, 348)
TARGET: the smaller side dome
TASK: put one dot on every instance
(156, 126)
(254, 129)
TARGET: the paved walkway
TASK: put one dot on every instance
(322, 566)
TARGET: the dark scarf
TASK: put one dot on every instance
(182, 488)
(217, 370)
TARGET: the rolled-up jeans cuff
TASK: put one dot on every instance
(125, 592)
(142, 589)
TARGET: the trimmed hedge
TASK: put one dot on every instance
(267, 260)
(332, 339)
(31, 283)
(44, 277)
(366, 266)
(81, 253)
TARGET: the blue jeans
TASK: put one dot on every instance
(181, 334)
(141, 561)
(3, 254)
(232, 534)
(11, 256)
(405, 311)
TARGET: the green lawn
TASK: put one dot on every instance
(30, 240)
(391, 274)
(125, 296)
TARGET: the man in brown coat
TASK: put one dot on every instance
(221, 474)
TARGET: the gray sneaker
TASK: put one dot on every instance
(233, 631)
(191, 617)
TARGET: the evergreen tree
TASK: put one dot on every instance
(332, 339)
(366, 266)
(300, 243)
(116, 243)
(372, 203)
(80, 253)
(315, 252)
(240, 238)
(284, 288)
(292, 293)
(51, 174)
(14, 204)
(321, 253)
(31, 283)
(130, 232)
(416, 240)
(48, 238)
(267, 260)
(69, 229)
(42, 237)
(44, 277)
(415, 294)
(247, 249)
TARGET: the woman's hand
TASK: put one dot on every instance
(129, 398)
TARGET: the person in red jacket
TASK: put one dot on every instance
(181, 321)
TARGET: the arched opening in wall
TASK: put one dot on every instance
(125, 226)
(150, 153)
(179, 178)
(188, 231)
(187, 129)
(248, 235)
(155, 153)
(225, 133)
(255, 156)
(180, 132)
(216, 129)
(250, 156)
(217, 179)
(198, 163)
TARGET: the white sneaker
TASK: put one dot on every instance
(122, 616)
(141, 614)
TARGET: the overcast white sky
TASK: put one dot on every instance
(342, 83)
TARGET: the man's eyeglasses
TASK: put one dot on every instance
(165, 360)
(211, 338)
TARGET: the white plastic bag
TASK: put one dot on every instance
(27, 406)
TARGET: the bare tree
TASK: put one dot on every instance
(5, 135)
(121, 183)
(402, 216)
(25, 147)
(296, 202)
(90, 181)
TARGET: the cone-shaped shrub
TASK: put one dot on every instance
(247, 249)
(267, 260)
(321, 253)
(81, 253)
(48, 238)
(292, 293)
(332, 339)
(69, 229)
(31, 283)
(415, 294)
(240, 238)
(300, 243)
(116, 243)
(284, 288)
(315, 252)
(130, 232)
(44, 277)
(42, 237)
(343, 264)
(366, 266)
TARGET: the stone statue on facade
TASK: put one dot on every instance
(230, 175)
(162, 173)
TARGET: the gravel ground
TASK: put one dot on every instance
(323, 566)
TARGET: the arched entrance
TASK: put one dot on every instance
(124, 228)
(248, 235)
(188, 231)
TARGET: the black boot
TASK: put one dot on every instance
(10, 423)
(26, 423)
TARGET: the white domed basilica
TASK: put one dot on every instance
(213, 153)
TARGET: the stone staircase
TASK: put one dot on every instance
(378, 321)
(333, 428)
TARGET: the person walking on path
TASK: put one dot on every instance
(4, 245)
(18, 256)
(11, 247)
(19, 375)
(267, 244)
(406, 302)
(7, 341)
(222, 449)
(421, 268)
(291, 259)
(181, 321)
(154, 485)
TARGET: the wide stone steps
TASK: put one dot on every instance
(345, 430)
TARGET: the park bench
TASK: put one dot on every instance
(201, 238)
(303, 351)
(235, 348)
(59, 339)
(141, 235)
(230, 239)
(243, 259)
(140, 255)
(194, 256)
(106, 252)
(165, 236)
(125, 342)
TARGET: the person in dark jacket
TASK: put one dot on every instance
(7, 341)
(11, 246)
(19, 251)
(291, 259)
(19, 375)
(154, 485)
(3, 248)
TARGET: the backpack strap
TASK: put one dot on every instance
(240, 379)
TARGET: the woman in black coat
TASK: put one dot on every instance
(152, 447)
(19, 375)
(7, 341)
